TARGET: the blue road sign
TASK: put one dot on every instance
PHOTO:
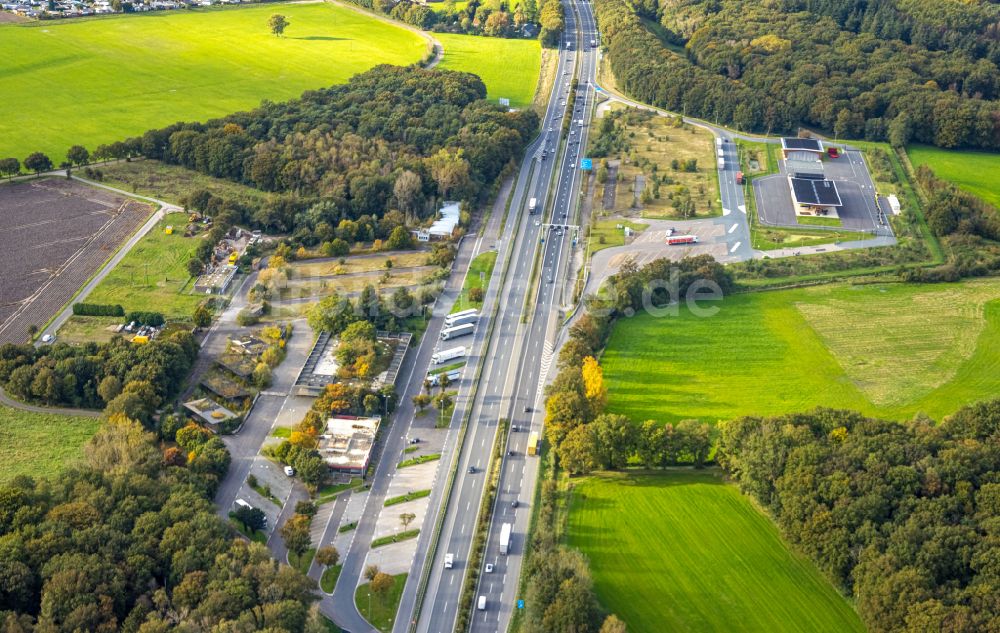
(586, 164)
(520, 604)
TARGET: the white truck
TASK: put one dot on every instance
(459, 330)
(458, 318)
(449, 561)
(505, 538)
(722, 163)
(446, 355)
(718, 141)
(532, 206)
(453, 375)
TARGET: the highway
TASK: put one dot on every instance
(519, 354)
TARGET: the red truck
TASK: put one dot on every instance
(739, 178)
(682, 239)
(832, 152)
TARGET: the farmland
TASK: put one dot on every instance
(40, 444)
(509, 68)
(153, 276)
(686, 552)
(889, 350)
(973, 171)
(92, 81)
(54, 235)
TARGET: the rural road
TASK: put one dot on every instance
(7, 401)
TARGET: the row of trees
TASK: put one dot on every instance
(120, 375)
(903, 516)
(774, 66)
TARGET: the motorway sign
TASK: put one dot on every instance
(586, 164)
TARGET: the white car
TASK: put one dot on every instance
(489, 568)
(289, 471)
(48, 338)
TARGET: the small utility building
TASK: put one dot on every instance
(812, 194)
(804, 149)
(347, 442)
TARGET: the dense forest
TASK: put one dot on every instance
(904, 516)
(390, 139)
(897, 70)
(129, 541)
(118, 375)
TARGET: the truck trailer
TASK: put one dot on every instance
(722, 163)
(533, 203)
(453, 375)
(459, 330)
(446, 355)
(678, 240)
(505, 538)
(458, 318)
(533, 443)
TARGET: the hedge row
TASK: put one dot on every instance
(98, 309)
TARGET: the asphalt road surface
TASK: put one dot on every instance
(519, 356)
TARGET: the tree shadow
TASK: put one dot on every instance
(319, 38)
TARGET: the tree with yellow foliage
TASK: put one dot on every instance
(593, 384)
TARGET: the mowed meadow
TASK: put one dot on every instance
(683, 551)
(888, 350)
(93, 81)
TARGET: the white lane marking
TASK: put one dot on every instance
(733, 228)
(735, 246)
(725, 211)
(743, 208)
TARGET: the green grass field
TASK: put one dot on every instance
(888, 350)
(153, 276)
(976, 172)
(40, 444)
(92, 81)
(509, 68)
(685, 552)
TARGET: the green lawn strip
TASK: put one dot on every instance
(896, 350)
(606, 234)
(411, 449)
(683, 551)
(329, 492)
(509, 67)
(329, 578)
(258, 536)
(266, 493)
(395, 538)
(818, 221)
(347, 527)
(380, 610)
(281, 431)
(480, 270)
(97, 75)
(446, 368)
(153, 275)
(410, 496)
(302, 563)
(768, 238)
(423, 459)
(41, 444)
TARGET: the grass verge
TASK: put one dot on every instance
(395, 538)
(410, 496)
(423, 459)
(380, 609)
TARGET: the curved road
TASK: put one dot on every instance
(7, 401)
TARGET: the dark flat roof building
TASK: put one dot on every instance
(801, 144)
(814, 191)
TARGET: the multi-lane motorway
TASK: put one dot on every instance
(519, 352)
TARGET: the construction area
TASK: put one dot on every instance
(54, 235)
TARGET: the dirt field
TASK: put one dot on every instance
(650, 154)
(54, 234)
